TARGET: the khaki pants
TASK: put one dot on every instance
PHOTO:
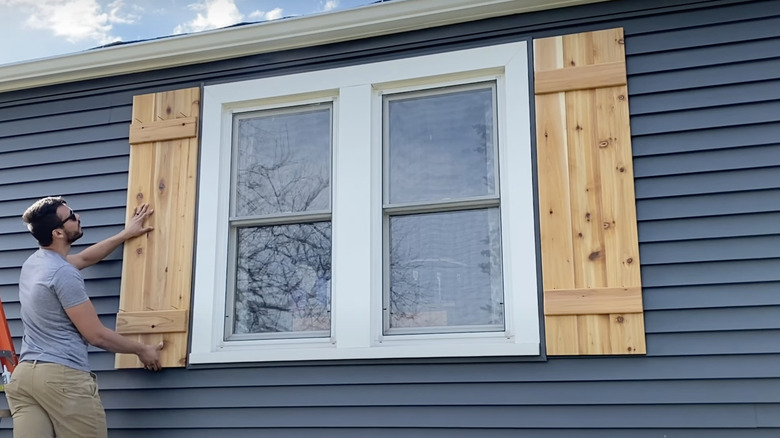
(48, 399)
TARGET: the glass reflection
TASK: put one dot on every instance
(441, 146)
(283, 279)
(283, 163)
(445, 271)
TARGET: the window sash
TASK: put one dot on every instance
(438, 91)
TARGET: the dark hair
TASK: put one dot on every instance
(41, 218)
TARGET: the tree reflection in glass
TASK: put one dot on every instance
(281, 222)
(283, 163)
(283, 279)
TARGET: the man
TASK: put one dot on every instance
(52, 391)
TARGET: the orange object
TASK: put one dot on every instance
(8, 357)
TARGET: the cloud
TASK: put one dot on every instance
(215, 14)
(331, 5)
(74, 20)
(116, 15)
(273, 14)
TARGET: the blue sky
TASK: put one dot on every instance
(33, 29)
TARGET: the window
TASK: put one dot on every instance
(280, 224)
(375, 211)
(441, 181)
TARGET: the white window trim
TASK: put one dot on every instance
(357, 208)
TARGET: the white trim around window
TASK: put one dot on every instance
(357, 215)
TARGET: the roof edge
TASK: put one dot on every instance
(367, 21)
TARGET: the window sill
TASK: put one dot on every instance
(264, 351)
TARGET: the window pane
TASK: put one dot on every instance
(441, 146)
(283, 280)
(445, 272)
(283, 162)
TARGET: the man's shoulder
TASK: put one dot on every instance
(48, 261)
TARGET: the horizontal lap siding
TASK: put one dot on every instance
(704, 90)
(704, 104)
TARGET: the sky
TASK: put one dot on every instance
(34, 29)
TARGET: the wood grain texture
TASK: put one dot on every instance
(163, 130)
(152, 321)
(590, 255)
(581, 78)
(592, 301)
(157, 267)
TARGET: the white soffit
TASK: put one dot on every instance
(368, 21)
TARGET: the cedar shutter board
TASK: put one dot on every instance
(590, 249)
(155, 294)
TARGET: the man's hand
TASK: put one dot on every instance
(136, 226)
(97, 252)
(85, 318)
(150, 356)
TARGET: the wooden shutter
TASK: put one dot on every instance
(157, 268)
(590, 250)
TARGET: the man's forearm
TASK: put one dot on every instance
(98, 251)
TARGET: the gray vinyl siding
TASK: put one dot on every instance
(704, 86)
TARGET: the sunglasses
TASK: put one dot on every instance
(71, 216)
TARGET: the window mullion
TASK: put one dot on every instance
(352, 200)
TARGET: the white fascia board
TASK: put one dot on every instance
(284, 34)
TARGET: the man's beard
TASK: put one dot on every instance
(74, 236)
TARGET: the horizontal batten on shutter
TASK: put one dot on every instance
(593, 301)
(162, 130)
(154, 321)
(580, 78)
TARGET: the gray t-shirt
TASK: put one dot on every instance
(48, 285)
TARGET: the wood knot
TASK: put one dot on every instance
(579, 234)
(629, 260)
(630, 349)
(551, 212)
(161, 185)
(620, 320)
(168, 110)
(579, 127)
(139, 251)
(621, 41)
(621, 169)
(605, 225)
(603, 144)
(621, 97)
(139, 196)
(587, 217)
(594, 255)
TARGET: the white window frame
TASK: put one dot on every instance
(356, 315)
